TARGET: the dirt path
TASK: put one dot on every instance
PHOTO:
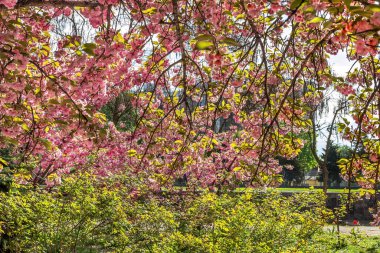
(368, 230)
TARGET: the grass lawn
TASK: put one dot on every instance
(361, 245)
(280, 189)
(308, 189)
(302, 190)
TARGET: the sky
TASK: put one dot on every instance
(340, 65)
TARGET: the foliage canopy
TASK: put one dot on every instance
(187, 67)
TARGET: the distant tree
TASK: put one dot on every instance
(332, 158)
(120, 111)
(333, 154)
(305, 158)
(5, 170)
(292, 171)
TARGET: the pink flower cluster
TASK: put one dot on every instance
(8, 3)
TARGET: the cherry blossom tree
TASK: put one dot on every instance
(188, 67)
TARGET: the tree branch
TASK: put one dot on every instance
(54, 3)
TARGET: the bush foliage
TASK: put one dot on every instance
(83, 215)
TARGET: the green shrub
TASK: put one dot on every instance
(84, 215)
(78, 216)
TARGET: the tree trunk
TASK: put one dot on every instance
(375, 184)
(323, 163)
(325, 173)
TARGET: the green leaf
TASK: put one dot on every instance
(18, 120)
(204, 45)
(132, 152)
(9, 140)
(52, 77)
(333, 10)
(373, 7)
(47, 144)
(230, 41)
(25, 127)
(3, 161)
(347, 3)
(327, 24)
(204, 42)
(150, 11)
(37, 91)
(89, 48)
(59, 121)
(54, 101)
(309, 9)
(316, 20)
(295, 4)
(203, 37)
(360, 11)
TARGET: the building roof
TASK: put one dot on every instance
(312, 174)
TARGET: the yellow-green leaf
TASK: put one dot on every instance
(3, 161)
(132, 152)
(230, 41)
(203, 37)
(316, 20)
(150, 11)
(18, 120)
(347, 2)
(373, 7)
(295, 4)
(46, 143)
(89, 48)
(204, 45)
(25, 127)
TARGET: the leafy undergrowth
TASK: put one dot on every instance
(352, 243)
(82, 215)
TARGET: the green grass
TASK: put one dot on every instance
(280, 189)
(301, 190)
(312, 189)
(361, 245)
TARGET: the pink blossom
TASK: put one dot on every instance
(275, 7)
(362, 26)
(8, 3)
(236, 83)
(346, 89)
(67, 11)
(373, 158)
(372, 42)
(299, 18)
(375, 19)
(361, 48)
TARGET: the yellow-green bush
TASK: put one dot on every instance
(83, 215)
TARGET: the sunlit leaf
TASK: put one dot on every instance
(2, 161)
(316, 20)
(25, 127)
(373, 7)
(230, 41)
(89, 48)
(204, 45)
(347, 2)
(204, 37)
(150, 11)
(295, 4)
